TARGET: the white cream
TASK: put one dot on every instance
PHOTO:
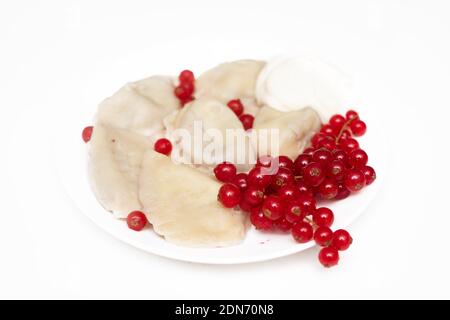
(293, 83)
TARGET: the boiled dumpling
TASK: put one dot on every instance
(140, 106)
(232, 80)
(295, 130)
(182, 205)
(115, 157)
(208, 121)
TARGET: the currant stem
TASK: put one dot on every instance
(345, 127)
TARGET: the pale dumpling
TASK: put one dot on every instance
(140, 106)
(115, 157)
(232, 80)
(295, 130)
(181, 203)
(208, 121)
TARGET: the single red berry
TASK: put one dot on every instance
(283, 225)
(322, 157)
(358, 128)
(340, 154)
(229, 195)
(259, 220)
(369, 174)
(323, 217)
(349, 145)
(313, 174)
(289, 193)
(336, 170)
(346, 134)
(351, 114)
(257, 179)
(307, 205)
(136, 220)
(188, 87)
(303, 188)
(163, 146)
(301, 162)
(358, 158)
(87, 133)
(225, 172)
(328, 189)
(341, 240)
(264, 161)
(328, 143)
(337, 121)
(186, 76)
(323, 236)
(236, 106)
(244, 206)
(183, 92)
(240, 180)
(293, 212)
(328, 130)
(315, 140)
(302, 232)
(285, 162)
(272, 207)
(354, 180)
(283, 177)
(247, 121)
(343, 192)
(328, 257)
(253, 196)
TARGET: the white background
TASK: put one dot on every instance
(68, 54)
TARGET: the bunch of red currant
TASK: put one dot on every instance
(332, 168)
(185, 89)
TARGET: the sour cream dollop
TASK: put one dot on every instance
(293, 83)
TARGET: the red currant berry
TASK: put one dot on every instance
(289, 193)
(253, 196)
(328, 143)
(322, 157)
(323, 217)
(328, 130)
(301, 162)
(163, 146)
(340, 154)
(351, 114)
(229, 195)
(329, 257)
(346, 134)
(315, 140)
(188, 88)
(285, 162)
(358, 158)
(259, 220)
(303, 188)
(283, 177)
(225, 172)
(273, 207)
(343, 192)
(336, 170)
(323, 236)
(307, 205)
(358, 128)
(257, 179)
(313, 174)
(369, 174)
(337, 121)
(328, 189)
(293, 212)
(240, 180)
(136, 220)
(283, 225)
(341, 240)
(247, 121)
(236, 106)
(354, 180)
(349, 145)
(186, 76)
(302, 232)
(183, 91)
(244, 206)
(87, 133)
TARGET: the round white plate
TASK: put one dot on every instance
(70, 156)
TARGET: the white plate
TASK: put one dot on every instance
(70, 156)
